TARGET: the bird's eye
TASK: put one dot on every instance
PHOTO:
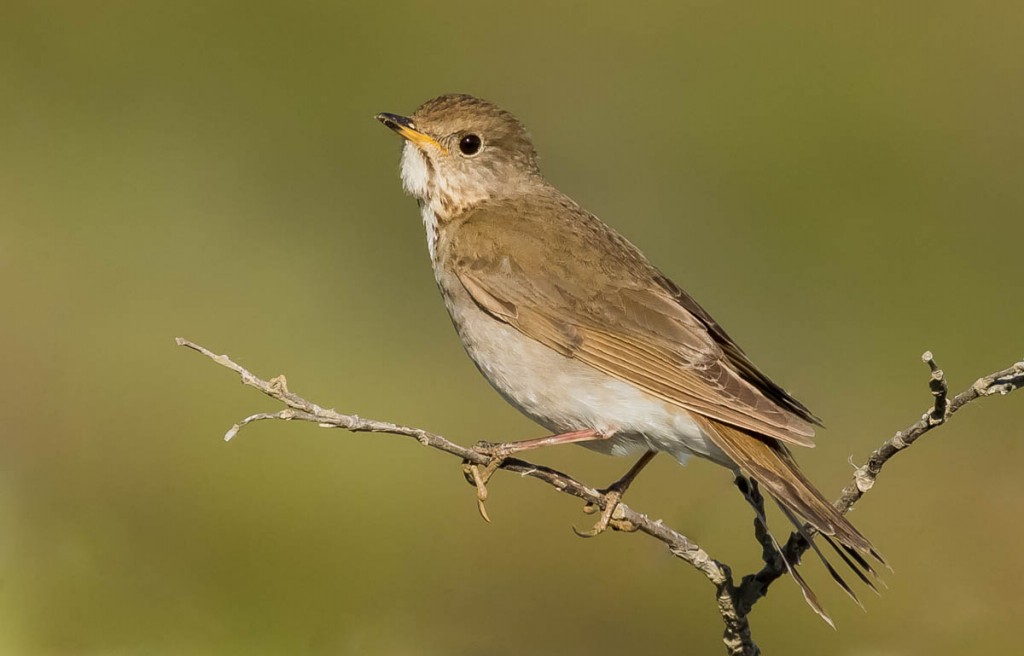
(469, 145)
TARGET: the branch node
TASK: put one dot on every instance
(865, 481)
(939, 389)
(279, 384)
(690, 552)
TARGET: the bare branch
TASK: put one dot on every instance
(734, 601)
(1001, 382)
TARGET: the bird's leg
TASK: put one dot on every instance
(613, 495)
(498, 453)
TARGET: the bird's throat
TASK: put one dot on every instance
(417, 172)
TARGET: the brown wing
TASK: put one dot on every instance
(583, 290)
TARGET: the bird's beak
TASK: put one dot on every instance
(405, 127)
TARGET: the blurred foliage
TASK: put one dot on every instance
(841, 185)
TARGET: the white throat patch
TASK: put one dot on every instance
(415, 175)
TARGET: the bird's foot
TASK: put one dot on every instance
(496, 454)
(479, 475)
(611, 516)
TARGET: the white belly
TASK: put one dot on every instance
(566, 395)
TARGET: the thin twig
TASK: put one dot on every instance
(734, 601)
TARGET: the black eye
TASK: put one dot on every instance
(469, 144)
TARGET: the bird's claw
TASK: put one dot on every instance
(611, 517)
(478, 475)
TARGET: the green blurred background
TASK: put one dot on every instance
(840, 186)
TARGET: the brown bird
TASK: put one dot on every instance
(574, 327)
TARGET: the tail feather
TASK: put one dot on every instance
(768, 462)
(855, 562)
(857, 547)
(809, 595)
(836, 576)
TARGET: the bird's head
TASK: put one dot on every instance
(460, 151)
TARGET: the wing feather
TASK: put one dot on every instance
(621, 316)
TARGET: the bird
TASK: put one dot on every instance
(577, 329)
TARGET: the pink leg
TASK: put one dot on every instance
(478, 476)
(575, 437)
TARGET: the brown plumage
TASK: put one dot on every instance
(571, 323)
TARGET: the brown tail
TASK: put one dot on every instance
(768, 462)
